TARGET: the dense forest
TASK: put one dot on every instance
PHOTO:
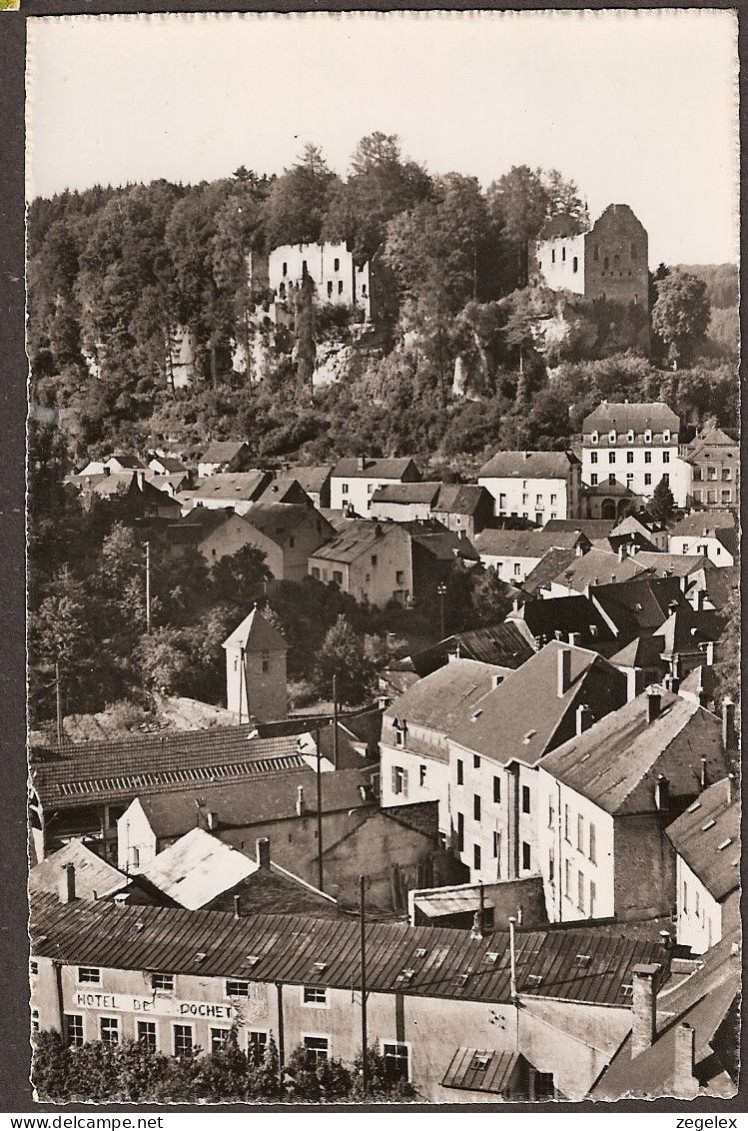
(114, 272)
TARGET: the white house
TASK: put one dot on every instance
(337, 278)
(634, 446)
(355, 479)
(515, 553)
(538, 486)
(706, 839)
(710, 534)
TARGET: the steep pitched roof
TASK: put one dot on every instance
(523, 543)
(197, 868)
(639, 605)
(599, 567)
(545, 617)
(310, 478)
(610, 415)
(528, 465)
(356, 538)
(460, 498)
(223, 451)
(93, 875)
(641, 652)
(519, 719)
(553, 564)
(503, 645)
(444, 545)
(406, 493)
(616, 762)
(240, 486)
(277, 521)
(686, 629)
(699, 522)
(349, 468)
(256, 634)
(445, 698)
(711, 436)
(707, 837)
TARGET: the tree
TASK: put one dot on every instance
(681, 314)
(662, 504)
(162, 661)
(343, 654)
(239, 579)
(298, 200)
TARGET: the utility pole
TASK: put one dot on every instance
(241, 683)
(321, 874)
(364, 1033)
(58, 698)
(335, 721)
(148, 586)
(442, 591)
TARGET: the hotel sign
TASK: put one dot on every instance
(158, 1005)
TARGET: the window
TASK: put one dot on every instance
(666, 436)
(337, 576)
(648, 436)
(525, 856)
(460, 832)
(496, 845)
(594, 437)
(593, 480)
(497, 790)
(593, 898)
(476, 857)
(146, 1034)
(257, 1042)
(183, 1040)
(630, 436)
(317, 1050)
(517, 569)
(90, 975)
(629, 457)
(666, 457)
(629, 479)
(476, 761)
(538, 500)
(727, 473)
(696, 908)
(553, 255)
(164, 982)
(696, 496)
(315, 573)
(551, 864)
(329, 289)
(575, 264)
(580, 891)
(611, 436)
(336, 264)
(593, 457)
(726, 496)
(265, 662)
(303, 267)
(109, 1030)
(611, 457)
(563, 255)
(580, 832)
(593, 843)
(219, 1038)
(399, 781)
(33, 967)
(611, 480)
(551, 814)
(285, 269)
(525, 799)
(396, 1059)
(314, 995)
(567, 825)
(567, 879)
(363, 290)
(685, 897)
(237, 987)
(666, 478)
(344, 488)
(340, 287)
(400, 577)
(647, 457)
(74, 1030)
(647, 479)
(460, 771)
(554, 500)
(34, 1020)
(476, 807)
(544, 1089)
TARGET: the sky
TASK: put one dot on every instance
(636, 107)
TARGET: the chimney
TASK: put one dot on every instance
(575, 639)
(584, 718)
(67, 884)
(300, 807)
(730, 780)
(634, 682)
(563, 672)
(622, 552)
(700, 598)
(212, 820)
(654, 704)
(262, 844)
(685, 1083)
(728, 724)
(579, 550)
(702, 777)
(361, 462)
(476, 931)
(662, 792)
(237, 907)
(644, 1007)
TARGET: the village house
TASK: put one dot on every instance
(238, 490)
(538, 486)
(597, 567)
(479, 757)
(605, 798)
(501, 644)
(166, 465)
(286, 533)
(632, 446)
(465, 508)
(371, 561)
(256, 671)
(115, 464)
(223, 456)
(314, 481)
(518, 1016)
(404, 502)
(514, 554)
(574, 619)
(706, 842)
(714, 458)
(710, 534)
(355, 479)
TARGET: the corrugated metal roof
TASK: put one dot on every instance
(424, 961)
(707, 836)
(478, 1070)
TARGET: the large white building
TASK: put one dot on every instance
(538, 486)
(634, 446)
(354, 480)
(337, 278)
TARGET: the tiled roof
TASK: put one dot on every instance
(280, 491)
(460, 498)
(499, 644)
(599, 567)
(241, 486)
(445, 545)
(616, 762)
(406, 493)
(310, 478)
(528, 465)
(639, 417)
(222, 451)
(707, 836)
(424, 961)
(592, 527)
(348, 468)
(277, 521)
(675, 565)
(92, 874)
(356, 538)
(545, 617)
(445, 699)
(699, 522)
(711, 437)
(520, 719)
(552, 565)
(639, 605)
(523, 543)
(272, 797)
(172, 465)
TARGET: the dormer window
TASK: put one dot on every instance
(611, 436)
(630, 436)
(666, 436)
(648, 436)
(594, 438)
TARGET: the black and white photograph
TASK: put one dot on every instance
(383, 576)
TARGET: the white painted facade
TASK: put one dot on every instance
(575, 853)
(509, 567)
(638, 462)
(408, 777)
(478, 797)
(699, 922)
(136, 841)
(355, 492)
(538, 500)
(697, 544)
(331, 267)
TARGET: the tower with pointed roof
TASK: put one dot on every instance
(256, 678)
